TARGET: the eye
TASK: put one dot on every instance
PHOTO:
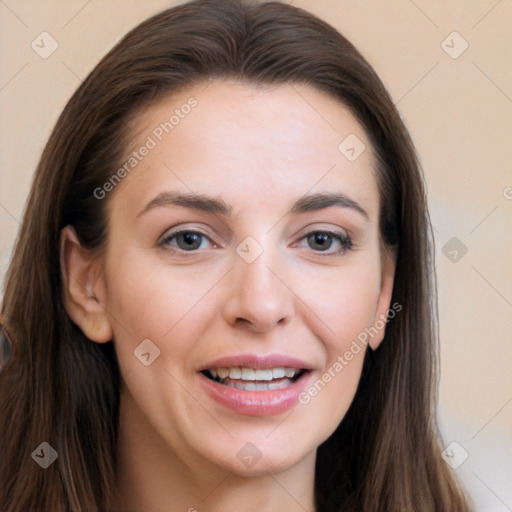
(187, 240)
(327, 242)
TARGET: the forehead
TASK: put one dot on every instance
(241, 142)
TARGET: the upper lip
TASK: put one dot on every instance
(258, 362)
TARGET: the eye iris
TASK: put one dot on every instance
(320, 241)
(189, 241)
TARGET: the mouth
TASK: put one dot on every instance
(256, 385)
(255, 379)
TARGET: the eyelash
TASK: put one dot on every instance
(344, 241)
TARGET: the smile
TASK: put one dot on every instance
(256, 385)
(254, 379)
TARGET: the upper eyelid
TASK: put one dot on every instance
(334, 234)
(333, 230)
(172, 232)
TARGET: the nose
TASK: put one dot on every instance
(258, 298)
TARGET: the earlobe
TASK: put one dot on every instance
(384, 299)
(83, 290)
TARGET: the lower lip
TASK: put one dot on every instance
(256, 403)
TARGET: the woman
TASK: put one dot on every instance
(221, 296)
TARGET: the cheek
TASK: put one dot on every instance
(344, 302)
(342, 308)
(332, 389)
(151, 302)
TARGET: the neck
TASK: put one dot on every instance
(152, 477)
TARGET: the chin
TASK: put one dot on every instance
(263, 456)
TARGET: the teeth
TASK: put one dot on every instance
(248, 374)
(263, 374)
(235, 373)
(278, 373)
(222, 372)
(257, 386)
(254, 374)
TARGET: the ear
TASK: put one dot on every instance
(388, 267)
(83, 289)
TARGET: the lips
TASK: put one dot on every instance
(261, 362)
(256, 385)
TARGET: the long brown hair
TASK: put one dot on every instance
(63, 389)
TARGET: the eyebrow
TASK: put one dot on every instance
(193, 201)
(215, 206)
(315, 202)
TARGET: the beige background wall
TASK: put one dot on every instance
(459, 111)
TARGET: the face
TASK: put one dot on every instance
(243, 261)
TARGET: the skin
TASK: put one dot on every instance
(259, 150)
